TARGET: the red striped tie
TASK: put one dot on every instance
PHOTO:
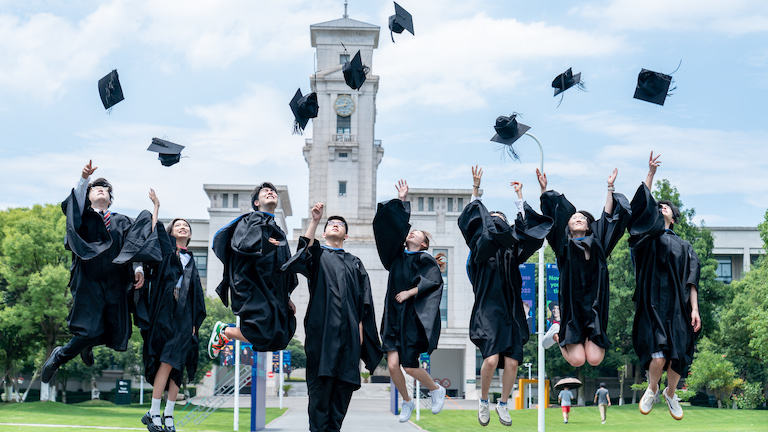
(107, 216)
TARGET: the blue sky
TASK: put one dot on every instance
(217, 77)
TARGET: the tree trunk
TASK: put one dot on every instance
(35, 375)
(637, 381)
(581, 389)
(719, 403)
(64, 392)
(622, 378)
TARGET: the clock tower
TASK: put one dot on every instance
(342, 154)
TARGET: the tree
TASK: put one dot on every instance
(711, 369)
(298, 355)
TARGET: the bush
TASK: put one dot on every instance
(286, 388)
(365, 376)
(685, 395)
(750, 396)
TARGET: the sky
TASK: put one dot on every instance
(217, 77)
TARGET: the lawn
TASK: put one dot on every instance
(625, 418)
(102, 413)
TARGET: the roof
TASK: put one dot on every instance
(344, 23)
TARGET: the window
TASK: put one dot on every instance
(450, 205)
(343, 124)
(444, 298)
(460, 204)
(421, 203)
(342, 188)
(343, 155)
(343, 58)
(201, 260)
(431, 205)
(225, 200)
(235, 201)
(724, 269)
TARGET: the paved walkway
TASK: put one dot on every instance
(364, 415)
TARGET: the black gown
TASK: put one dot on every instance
(259, 292)
(411, 327)
(665, 268)
(340, 300)
(498, 324)
(584, 291)
(101, 289)
(170, 322)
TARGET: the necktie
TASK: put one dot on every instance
(107, 216)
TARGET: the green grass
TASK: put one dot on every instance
(102, 413)
(625, 418)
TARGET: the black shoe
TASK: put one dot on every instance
(151, 426)
(51, 365)
(86, 356)
(169, 428)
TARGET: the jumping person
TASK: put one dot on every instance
(252, 249)
(498, 325)
(340, 322)
(411, 321)
(667, 270)
(175, 305)
(582, 245)
(99, 314)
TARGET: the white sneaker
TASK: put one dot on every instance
(483, 412)
(503, 412)
(603, 422)
(406, 410)
(646, 402)
(549, 336)
(438, 399)
(674, 406)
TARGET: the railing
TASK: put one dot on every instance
(377, 143)
(223, 391)
(344, 138)
(308, 141)
(424, 398)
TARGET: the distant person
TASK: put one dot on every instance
(226, 357)
(529, 315)
(603, 401)
(564, 398)
(554, 315)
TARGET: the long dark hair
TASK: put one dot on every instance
(173, 222)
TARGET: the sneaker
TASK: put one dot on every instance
(603, 422)
(406, 410)
(438, 399)
(675, 410)
(646, 402)
(549, 336)
(483, 413)
(217, 340)
(503, 411)
(148, 421)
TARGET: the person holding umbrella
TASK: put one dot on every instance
(565, 397)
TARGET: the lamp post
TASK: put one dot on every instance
(528, 365)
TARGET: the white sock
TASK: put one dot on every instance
(169, 406)
(154, 410)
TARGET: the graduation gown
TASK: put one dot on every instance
(411, 327)
(259, 293)
(584, 292)
(172, 324)
(665, 268)
(498, 324)
(340, 299)
(100, 288)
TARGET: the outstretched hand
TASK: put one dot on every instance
(88, 170)
(612, 177)
(402, 189)
(542, 180)
(153, 197)
(518, 188)
(477, 175)
(653, 163)
(317, 211)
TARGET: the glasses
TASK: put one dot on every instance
(100, 188)
(336, 223)
(579, 216)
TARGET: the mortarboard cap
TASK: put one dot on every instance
(565, 80)
(304, 108)
(652, 86)
(354, 72)
(508, 130)
(110, 90)
(169, 153)
(401, 20)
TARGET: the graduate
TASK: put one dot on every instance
(173, 306)
(340, 322)
(411, 321)
(253, 248)
(498, 325)
(667, 270)
(582, 245)
(100, 287)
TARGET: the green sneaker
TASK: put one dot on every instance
(217, 340)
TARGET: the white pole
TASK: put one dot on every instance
(540, 330)
(418, 393)
(237, 380)
(141, 389)
(280, 386)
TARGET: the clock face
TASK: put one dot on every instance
(344, 105)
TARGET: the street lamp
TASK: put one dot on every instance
(528, 365)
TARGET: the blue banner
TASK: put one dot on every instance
(528, 294)
(553, 289)
(424, 361)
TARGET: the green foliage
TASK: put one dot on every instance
(711, 369)
(298, 355)
(685, 395)
(750, 397)
(365, 376)
(287, 388)
(763, 228)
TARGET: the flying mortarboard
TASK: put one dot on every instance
(401, 20)
(566, 80)
(169, 153)
(354, 72)
(304, 108)
(110, 90)
(652, 86)
(508, 130)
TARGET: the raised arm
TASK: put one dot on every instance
(317, 214)
(82, 184)
(156, 202)
(402, 190)
(653, 163)
(477, 175)
(609, 198)
(542, 180)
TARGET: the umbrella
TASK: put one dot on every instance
(571, 383)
